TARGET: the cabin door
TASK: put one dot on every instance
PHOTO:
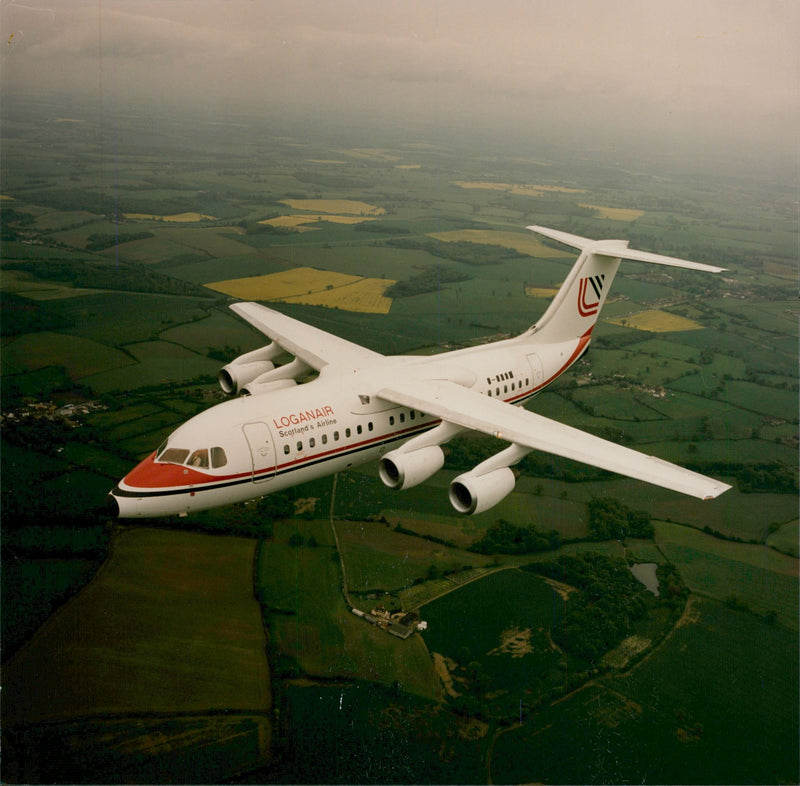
(536, 367)
(262, 450)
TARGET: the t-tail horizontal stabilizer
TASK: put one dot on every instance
(576, 307)
(618, 249)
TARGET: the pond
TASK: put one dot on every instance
(646, 573)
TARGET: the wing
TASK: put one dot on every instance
(313, 346)
(473, 410)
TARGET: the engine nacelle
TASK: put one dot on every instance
(470, 493)
(402, 470)
(255, 387)
(233, 377)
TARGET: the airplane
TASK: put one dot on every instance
(336, 404)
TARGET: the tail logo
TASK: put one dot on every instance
(589, 291)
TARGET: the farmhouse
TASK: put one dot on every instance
(401, 624)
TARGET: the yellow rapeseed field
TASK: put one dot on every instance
(287, 283)
(299, 220)
(178, 218)
(364, 296)
(349, 207)
(526, 189)
(656, 321)
(525, 244)
(314, 288)
(615, 213)
(540, 291)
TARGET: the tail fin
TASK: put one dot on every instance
(576, 307)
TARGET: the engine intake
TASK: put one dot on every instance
(402, 470)
(233, 377)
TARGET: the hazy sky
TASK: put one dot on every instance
(706, 69)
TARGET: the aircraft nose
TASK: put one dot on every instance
(112, 506)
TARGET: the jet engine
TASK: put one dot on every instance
(233, 377)
(402, 470)
(488, 483)
(470, 493)
(280, 376)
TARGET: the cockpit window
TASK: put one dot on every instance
(218, 458)
(199, 459)
(173, 455)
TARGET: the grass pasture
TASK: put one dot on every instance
(771, 401)
(22, 283)
(761, 578)
(674, 718)
(313, 626)
(157, 363)
(192, 748)
(81, 357)
(615, 213)
(501, 621)
(168, 625)
(786, 539)
(377, 557)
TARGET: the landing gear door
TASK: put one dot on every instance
(536, 367)
(262, 450)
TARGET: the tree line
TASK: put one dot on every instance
(608, 602)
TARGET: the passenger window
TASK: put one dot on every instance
(174, 455)
(369, 426)
(312, 442)
(359, 429)
(299, 447)
(412, 414)
(505, 388)
(497, 391)
(335, 436)
(402, 417)
(218, 458)
(347, 433)
(324, 439)
(391, 420)
(199, 459)
(286, 449)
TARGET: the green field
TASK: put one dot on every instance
(674, 718)
(131, 327)
(477, 622)
(107, 653)
(115, 655)
(312, 625)
(757, 576)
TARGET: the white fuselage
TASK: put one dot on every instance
(254, 445)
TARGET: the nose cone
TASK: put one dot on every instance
(154, 489)
(112, 506)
